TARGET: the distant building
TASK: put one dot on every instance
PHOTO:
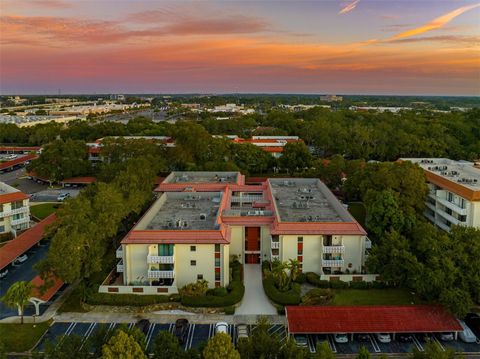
(231, 108)
(301, 107)
(331, 98)
(454, 192)
(271, 144)
(379, 108)
(191, 106)
(117, 97)
(14, 209)
(202, 220)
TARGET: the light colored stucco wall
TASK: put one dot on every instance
(354, 252)
(237, 241)
(225, 265)
(288, 247)
(135, 263)
(312, 253)
(265, 240)
(186, 273)
(475, 214)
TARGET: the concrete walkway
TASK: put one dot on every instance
(255, 300)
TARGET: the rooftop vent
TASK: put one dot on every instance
(203, 216)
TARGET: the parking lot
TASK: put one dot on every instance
(51, 195)
(196, 335)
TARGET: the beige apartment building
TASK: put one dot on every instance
(14, 209)
(454, 192)
(202, 220)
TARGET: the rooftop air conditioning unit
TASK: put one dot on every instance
(203, 216)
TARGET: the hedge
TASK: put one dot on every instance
(291, 297)
(229, 310)
(128, 299)
(313, 278)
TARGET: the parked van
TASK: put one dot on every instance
(466, 335)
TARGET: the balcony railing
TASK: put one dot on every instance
(161, 274)
(246, 199)
(275, 257)
(452, 206)
(12, 212)
(14, 222)
(368, 243)
(449, 217)
(246, 212)
(120, 267)
(332, 262)
(160, 259)
(334, 249)
(275, 245)
(119, 252)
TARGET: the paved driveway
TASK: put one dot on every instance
(255, 300)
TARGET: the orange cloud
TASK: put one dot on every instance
(349, 7)
(437, 23)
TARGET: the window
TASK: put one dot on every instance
(217, 262)
(300, 239)
(300, 251)
(2, 229)
(17, 216)
(462, 218)
(450, 197)
(217, 247)
(217, 275)
(199, 276)
(193, 248)
(17, 204)
(165, 249)
(193, 263)
(1, 208)
(462, 203)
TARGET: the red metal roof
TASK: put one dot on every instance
(19, 149)
(175, 236)
(23, 242)
(272, 149)
(80, 180)
(370, 319)
(12, 197)
(17, 161)
(351, 228)
(49, 293)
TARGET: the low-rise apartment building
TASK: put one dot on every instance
(14, 209)
(202, 220)
(454, 192)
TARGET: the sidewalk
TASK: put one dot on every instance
(255, 301)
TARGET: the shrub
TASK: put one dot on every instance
(338, 284)
(265, 266)
(280, 309)
(290, 297)
(360, 285)
(379, 285)
(323, 284)
(126, 299)
(318, 296)
(313, 278)
(195, 289)
(175, 297)
(235, 295)
(230, 310)
(218, 292)
(302, 278)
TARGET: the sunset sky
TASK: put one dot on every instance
(291, 46)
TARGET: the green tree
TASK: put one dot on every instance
(290, 350)
(220, 347)
(295, 157)
(279, 273)
(324, 351)
(166, 346)
(294, 268)
(363, 353)
(433, 351)
(383, 212)
(17, 296)
(260, 343)
(122, 346)
(66, 346)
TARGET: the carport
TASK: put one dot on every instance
(23, 242)
(370, 319)
(38, 297)
(17, 161)
(83, 181)
(19, 150)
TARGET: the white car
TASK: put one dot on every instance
(301, 340)
(21, 259)
(242, 331)
(383, 337)
(340, 338)
(10, 157)
(446, 337)
(3, 274)
(466, 335)
(221, 327)
(63, 196)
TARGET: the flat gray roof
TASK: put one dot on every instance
(201, 177)
(306, 200)
(183, 211)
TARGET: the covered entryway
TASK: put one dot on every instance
(252, 245)
(255, 300)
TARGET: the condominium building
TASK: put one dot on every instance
(202, 220)
(14, 209)
(454, 192)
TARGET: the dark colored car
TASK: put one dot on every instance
(181, 329)
(404, 337)
(473, 322)
(363, 337)
(143, 325)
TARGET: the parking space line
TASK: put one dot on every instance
(150, 334)
(190, 337)
(210, 331)
(67, 332)
(311, 344)
(438, 342)
(374, 343)
(87, 333)
(279, 327)
(417, 343)
(332, 344)
(130, 325)
(170, 328)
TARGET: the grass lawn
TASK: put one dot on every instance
(394, 296)
(358, 211)
(21, 337)
(43, 210)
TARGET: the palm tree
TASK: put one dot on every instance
(294, 267)
(17, 296)
(281, 278)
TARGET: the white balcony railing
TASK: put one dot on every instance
(120, 267)
(14, 222)
(12, 212)
(448, 217)
(161, 274)
(368, 243)
(452, 206)
(246, 199)
(275, 245)
(119, 252)
(275, 257)
(333, 249)
(160, 259)
(332, 262)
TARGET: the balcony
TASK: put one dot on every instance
(275, 257)
(161, 274)
(368, 243)
(15, 222)
(120, 267)
(448, 217)
(245, 212)
(334, 249)
(119, 252)
(431, 206)
(12, 212)
(452, 206)
(332, 262)
(246, 199)
(160, 259)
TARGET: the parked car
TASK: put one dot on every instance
(340, 338)
(473, 322)
(20, 259)
(181, 329)
(466, 335)
(143, 325)
(242, 331)
(383, 337)
(221, 327)
(363, 337)
(3, 273)
(404, 337)
(446, 337)
(63, 196)
(301, 340)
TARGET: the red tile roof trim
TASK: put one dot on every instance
(17, 161)
(347, 228)
(176, 236)
(24, 241)
(370, 319)
(80, 180)
(12, 197)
